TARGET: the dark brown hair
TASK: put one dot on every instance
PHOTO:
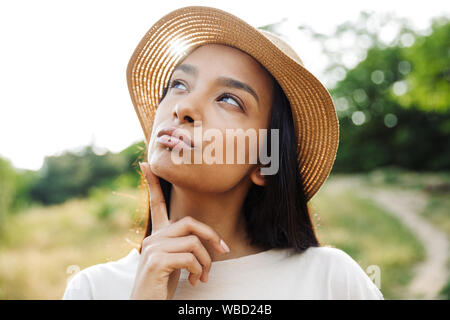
(277, 214)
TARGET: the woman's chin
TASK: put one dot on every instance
(201, 177)
(163, 166)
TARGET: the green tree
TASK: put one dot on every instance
(393, 106)
(72, 174)
(429, 80)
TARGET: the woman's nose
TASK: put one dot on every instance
(186, 113)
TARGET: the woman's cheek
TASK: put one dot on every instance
(241, 148)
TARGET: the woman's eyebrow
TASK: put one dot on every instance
(233, 83)
(224, 81)
(187, 68)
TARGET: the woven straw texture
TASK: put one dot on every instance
(179, 32)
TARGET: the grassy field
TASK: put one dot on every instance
(42, 246)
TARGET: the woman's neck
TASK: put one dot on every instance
(221, 211)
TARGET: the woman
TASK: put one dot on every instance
(242, 228)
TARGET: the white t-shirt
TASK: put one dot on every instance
(317, 273)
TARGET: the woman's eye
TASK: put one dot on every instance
(176, 83)
(231, 100)
(227, 98)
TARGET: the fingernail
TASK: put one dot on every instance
(224, 246)
(142, 167)
(204, 277)
(195, 282)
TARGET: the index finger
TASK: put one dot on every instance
(158, 209)
(189, 225)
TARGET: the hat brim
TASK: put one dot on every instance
(176, 34)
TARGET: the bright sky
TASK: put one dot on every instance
(62, 63)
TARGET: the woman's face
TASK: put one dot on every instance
(215, 88)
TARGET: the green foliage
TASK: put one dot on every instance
(134, 153)
(73, 174)
(14, 190)
(22, 199)
(429, 80)
(383, 122)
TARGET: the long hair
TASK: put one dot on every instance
(277, 214)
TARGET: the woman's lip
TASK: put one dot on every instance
(176, 133)
(172, 142)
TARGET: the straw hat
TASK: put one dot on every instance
(176, 34)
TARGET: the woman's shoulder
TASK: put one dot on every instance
(326, 256)
(94, 281)
(330, 254)
(345, 276)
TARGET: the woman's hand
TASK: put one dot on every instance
(171, 247)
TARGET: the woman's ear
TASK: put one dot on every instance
(257, 177)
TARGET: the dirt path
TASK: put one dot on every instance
(430, 275)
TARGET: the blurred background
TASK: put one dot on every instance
(70, 140)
